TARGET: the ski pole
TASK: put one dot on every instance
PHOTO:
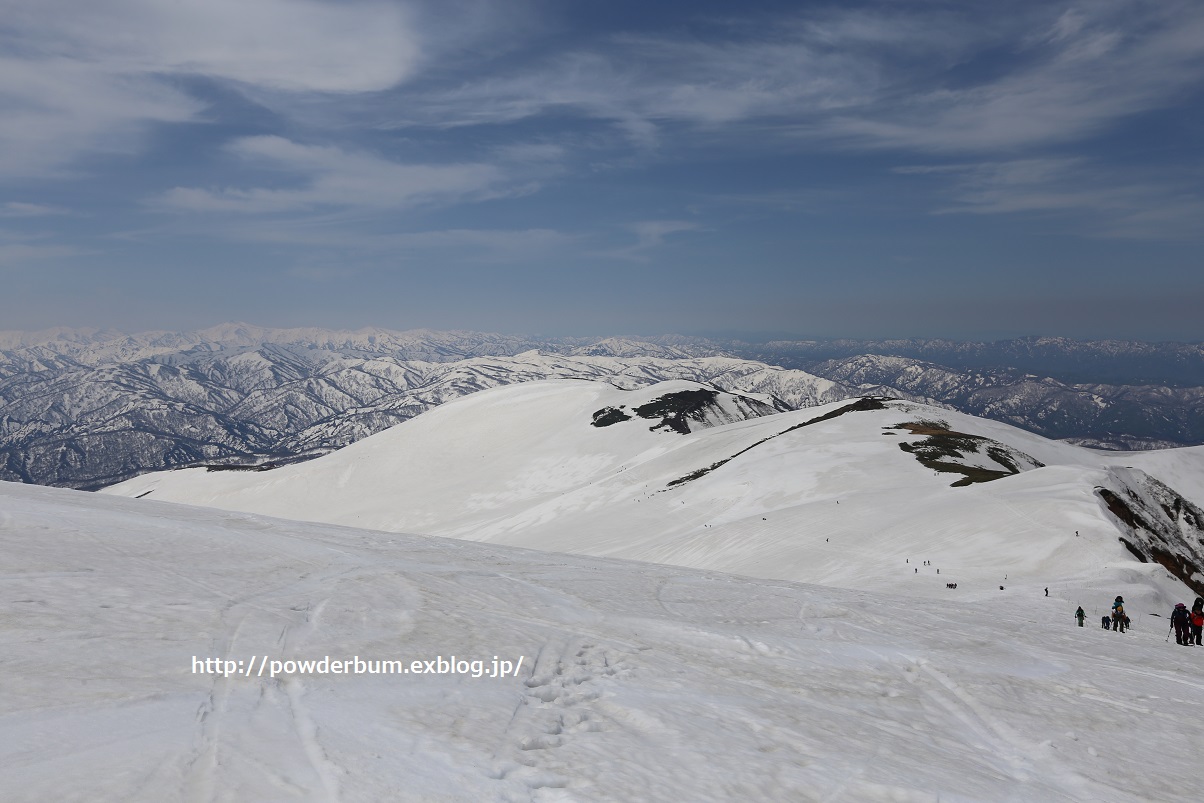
(1168, 633)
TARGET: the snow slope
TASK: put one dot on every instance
(835, 501)
(638, 682)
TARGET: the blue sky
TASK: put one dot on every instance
(957, 169)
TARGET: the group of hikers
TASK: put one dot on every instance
(1187, 625)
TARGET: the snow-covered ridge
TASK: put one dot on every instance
(845, 494)
(88, 426)
(84, 408)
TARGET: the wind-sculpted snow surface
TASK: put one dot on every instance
(833, 494)
(638, 682)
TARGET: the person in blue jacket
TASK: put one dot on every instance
(1181, 621)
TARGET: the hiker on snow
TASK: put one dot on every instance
(1118, 614)
(1180, 620)
(1197, 619)
(1080, 615)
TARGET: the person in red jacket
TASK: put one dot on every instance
(1197, 620)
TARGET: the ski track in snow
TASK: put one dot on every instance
(639, 682)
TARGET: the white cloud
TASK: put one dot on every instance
(18, 248)
(640, 83)
(902, 77)
(298, 45)
(17, 254)
(1095, 67)
(333, 177)
(57, 109)
(1117, 205)
(21, 209)
(649, 235)
(89, 75)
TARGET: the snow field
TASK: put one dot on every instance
(642, 682)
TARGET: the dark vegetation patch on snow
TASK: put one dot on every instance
(942, 447)
(674, 408)
(230, 467)
(687, 410)
(861, 405)
(610, 415)
(285, 460)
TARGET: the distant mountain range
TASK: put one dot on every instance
(86, 408)
(1105, 362)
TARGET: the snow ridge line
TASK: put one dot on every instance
(861, 405)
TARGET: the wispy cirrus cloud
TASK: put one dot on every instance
(649, 235)
(57, 109)
(22, 253)
(19, 248)
(480, 245)
(300, 45)
(641, 83)
(22, 209)
(1092, 67)
(81, 76)
(1121, 205)
(924, 77)
(328, 176)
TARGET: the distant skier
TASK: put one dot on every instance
(1181, 621)
(1080, 615)
(1047, 592)
(1118, 614)
(1197, 619)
